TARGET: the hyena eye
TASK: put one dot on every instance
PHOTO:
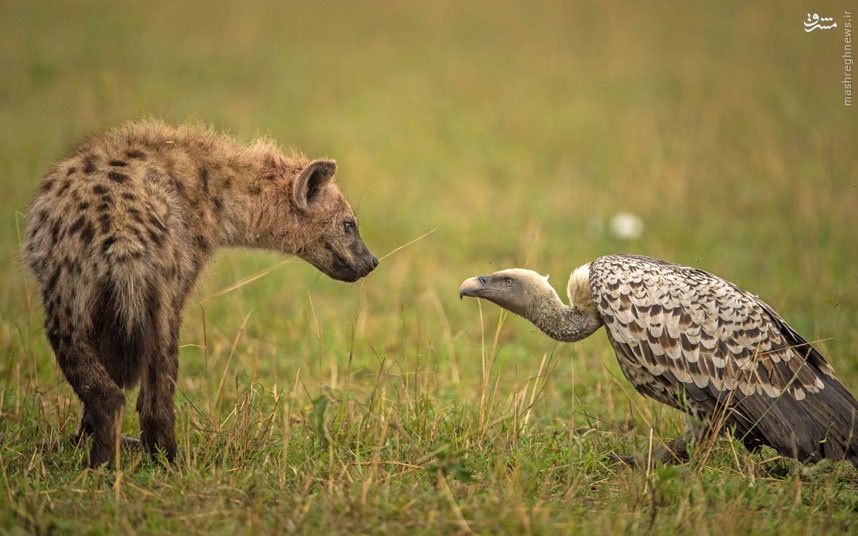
(349, 226)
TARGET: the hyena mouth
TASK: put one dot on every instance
(343, 269)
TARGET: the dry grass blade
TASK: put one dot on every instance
(461, 522)
(405, 245)
(226, 369)
(247, 280)
(262, 273)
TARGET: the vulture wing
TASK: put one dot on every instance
(701, 344)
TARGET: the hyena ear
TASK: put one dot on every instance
(310, 182)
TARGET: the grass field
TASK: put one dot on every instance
(478, 135)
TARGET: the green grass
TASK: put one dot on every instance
(509, 131)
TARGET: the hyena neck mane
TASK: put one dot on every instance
(258, 210)
(243, 195)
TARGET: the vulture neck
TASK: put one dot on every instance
(564, 322)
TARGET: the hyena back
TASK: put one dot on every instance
(119, 232)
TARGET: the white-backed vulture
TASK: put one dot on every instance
(698, 343)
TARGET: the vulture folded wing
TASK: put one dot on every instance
(701, 344)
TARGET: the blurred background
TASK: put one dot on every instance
(513, 133)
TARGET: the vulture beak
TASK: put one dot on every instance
(474, 287)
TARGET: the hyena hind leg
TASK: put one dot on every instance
(155, 401)
(103, 401)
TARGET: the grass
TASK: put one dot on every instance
(511, 132)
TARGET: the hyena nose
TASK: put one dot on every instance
(369, 263)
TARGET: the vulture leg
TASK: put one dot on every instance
(676, 451)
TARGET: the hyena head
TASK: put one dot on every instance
(335, 246)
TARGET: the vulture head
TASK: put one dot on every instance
(520, 291)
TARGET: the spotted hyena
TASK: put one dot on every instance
(119, 232)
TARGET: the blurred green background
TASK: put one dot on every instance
(512, 131)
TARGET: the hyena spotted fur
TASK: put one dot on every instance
(119, 232)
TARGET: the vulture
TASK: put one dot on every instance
(698, 343)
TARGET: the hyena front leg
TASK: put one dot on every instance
(86, 430)
(155, 401)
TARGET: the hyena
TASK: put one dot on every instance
(119, 232)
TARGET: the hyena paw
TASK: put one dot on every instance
(160, 441)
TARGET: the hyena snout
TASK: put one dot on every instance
(344, 260)
(365, 262)
(350, 265)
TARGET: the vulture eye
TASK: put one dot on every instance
(508, 281)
